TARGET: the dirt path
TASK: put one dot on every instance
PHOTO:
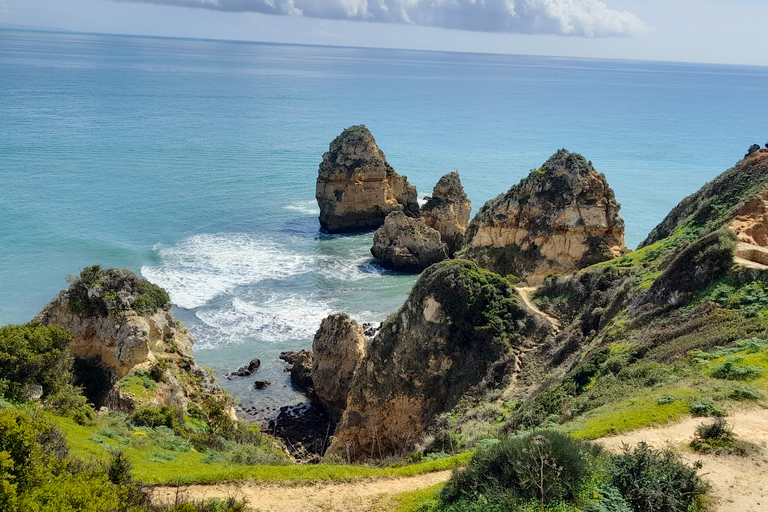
(739, 484)
(525, 292)
(361, 496)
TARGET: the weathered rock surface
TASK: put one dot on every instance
(108, 332)
(407, 244)
(338, 347)
(560, 218)
(301, 371)
(357, 188)
(447, 211)
(457, 322)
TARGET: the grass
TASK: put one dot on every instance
(632, 413)
(155, 464)
(413, 501)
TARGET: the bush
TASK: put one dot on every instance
(163, 415)
(34, 354)
(705, 407)
(545, 465)
(657, 481)
(713, 436)
(101, 292)
(730, 369)
(742, 392)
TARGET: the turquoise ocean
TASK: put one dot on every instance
(193, 163)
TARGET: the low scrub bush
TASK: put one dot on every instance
(731, 369)
(706, 407)
(657, 481)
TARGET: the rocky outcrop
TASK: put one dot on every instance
(447, 211)
(123, 324)
(338, 347)
(357, 188)
(457, 322)
(407, 244)
(560, 218)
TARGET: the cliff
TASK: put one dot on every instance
(447, 211)
(560, 218)
(357, 188)
(122, 325)
(460, 331)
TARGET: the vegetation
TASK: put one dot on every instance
(717, 437)
(99, 292)
(547, 471)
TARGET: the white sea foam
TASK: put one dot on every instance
(305, 207)
(279, 318)
(202, 267)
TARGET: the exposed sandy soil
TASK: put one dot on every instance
(739, 484)
(525, 292)
(361, 496)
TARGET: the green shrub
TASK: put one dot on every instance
(713, 436)
(657, 481)
(545, 465)
(705, 407)
(34, 354)
(730, 369)
(743, 392)
(163, 415)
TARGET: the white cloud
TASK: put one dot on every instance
(585, 18)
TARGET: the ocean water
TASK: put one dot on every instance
(194, 163)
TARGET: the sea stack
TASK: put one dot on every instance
(407, 244)
(357, 188)
(447, 211)
(560, 218)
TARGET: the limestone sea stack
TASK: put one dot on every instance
(123, 328)
(560, 218)
(357, 188)
(447, 211)
(338, 347)
(407, 244)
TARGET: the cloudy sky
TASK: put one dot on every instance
(724, 31)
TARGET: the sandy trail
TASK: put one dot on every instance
(525, 292)
(360, 496)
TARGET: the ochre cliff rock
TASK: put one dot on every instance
(98, 309)
(457, 322)
(407, 244)
(560, 218)
(338, 347)
(447, 211)
(357, 188)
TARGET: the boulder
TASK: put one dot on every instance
(458, 321)
(447, 211)
(357, 188)
(560, 218)
(301, 371)
(338, 347)
(245, 371)
(407, 244)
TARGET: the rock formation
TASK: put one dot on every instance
(457, 322)
(407, 244)
(123, 324)
(447, 211)
(357, 188)
(338, 348)
(560, 218)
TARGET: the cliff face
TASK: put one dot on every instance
(123, 324)
(447, 211)
(357, 188)
(338, 347)
(561, 218)
(458, 322)
(407, 244)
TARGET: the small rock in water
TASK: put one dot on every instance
(261, 384)
(247, 370)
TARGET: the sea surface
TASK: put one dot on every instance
(193, 163)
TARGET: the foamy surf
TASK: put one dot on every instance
(281, 317)
(305, 207)
(203, 267)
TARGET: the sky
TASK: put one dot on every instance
(717, 31)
